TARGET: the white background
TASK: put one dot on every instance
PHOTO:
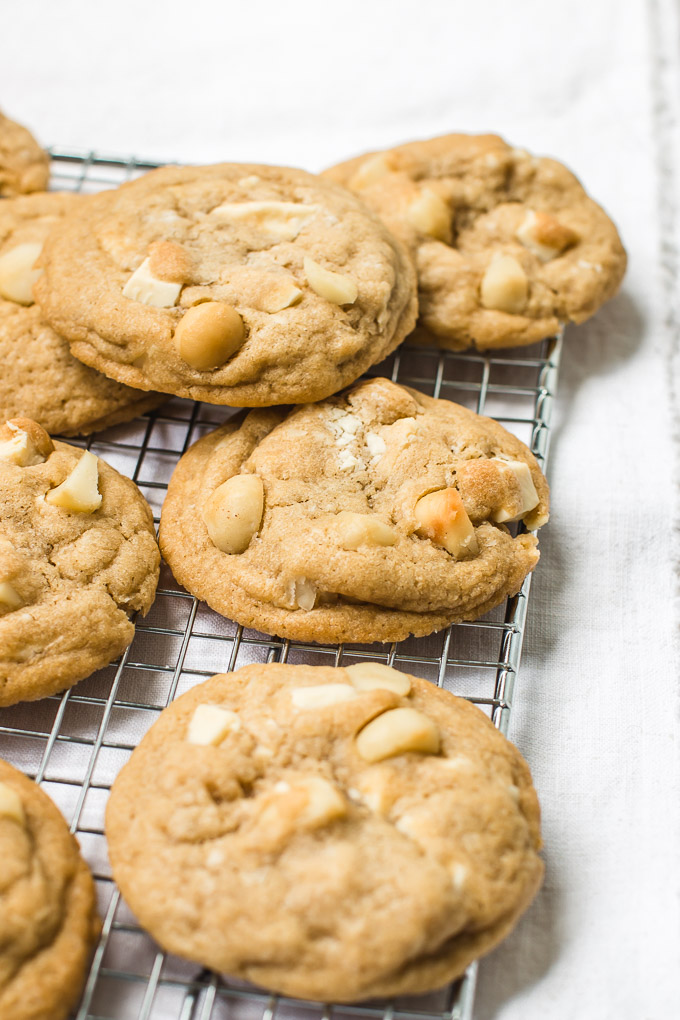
(592, 82)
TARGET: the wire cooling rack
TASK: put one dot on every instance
(74, 744)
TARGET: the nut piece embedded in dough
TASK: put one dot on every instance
(505, 287)
(370, 171)
(233, 513)
(9, 598)
(545, 236)
(210, 724)
(335, 287)
(79, 492)
(169, 261)
(442, 518)
(17, 274)
(281, 293)
(430, 214)
(208, 334)
(304, 593)
(398, 731)
(282, 221)
(371, 676)
(146, 288)
(321, 695)
(355, 530)
(324, 804)
(24, 442)
(11, 806)
(527, 491)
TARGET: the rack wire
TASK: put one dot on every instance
(74, 744)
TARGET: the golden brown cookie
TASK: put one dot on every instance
(240, 284)
(78, 557)
(508, 246)
(331, 834)
(48, 918)
(40, 378)
(376, 514)
(24, 166)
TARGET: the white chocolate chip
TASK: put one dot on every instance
(79, 491)
(527, 489)
(144, 287)
(281, 293)
(370, 171)
(514, 792)
(355, 530)
(347, 461)
(233, 513)
(325, 803)
(17, 274)
(504, 285)
(376, 445)
(377, 790)
(398, 731)
(544, 236)
(459, 876)
(430, 214)
(9, 597)
(11, 805)
(321, 695)
(371, 676)
(282, 221)
(442, 518)
(210, 724)
(334, 287)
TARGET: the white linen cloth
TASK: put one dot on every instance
(595, 84)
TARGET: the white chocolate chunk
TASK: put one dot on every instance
(442, 518)
(79, 491)
(282, 221)
(459, 876)
(233, 513)
(355, 530)
(17, 274)
(11, 806)
(9, 597)
(376, 445)
(347, 461)
(282, 293)
(370, 171)
(398, 731)
(544, 236)
(325, 803)
(430, 214)
(528, 495)
(321, 695)
(144, 287)
(334, 287)
(371, 676)
(210, 724)
(19, 449)
(377, 790)
(504, 285)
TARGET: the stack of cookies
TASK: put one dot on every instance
(325, 833)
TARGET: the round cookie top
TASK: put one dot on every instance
(240, 284)
(370, 516)
(24, 166)
(508, 246)
(331, 834)
(78, 557)
(48, 914)
(41, 379)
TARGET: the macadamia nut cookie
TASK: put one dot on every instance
(48, 920)
(24, 166)
(508, 246)
(331, 834)
(373, 515)
(40, 377)
(239, 284)
(78, 557)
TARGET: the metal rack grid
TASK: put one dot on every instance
(74, 744)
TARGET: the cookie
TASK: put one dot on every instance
(333, 834)
(239, 284)
(41, 379)
(48, 919)
(24, 166)
(508, 246)
(78, 557)
(379, 513)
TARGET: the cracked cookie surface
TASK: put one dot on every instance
(255, 831)
(41, 379)
(24, 165)
(240, 284)
(48, 920)
(78, 557)
(508, 246)
(373, 515)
